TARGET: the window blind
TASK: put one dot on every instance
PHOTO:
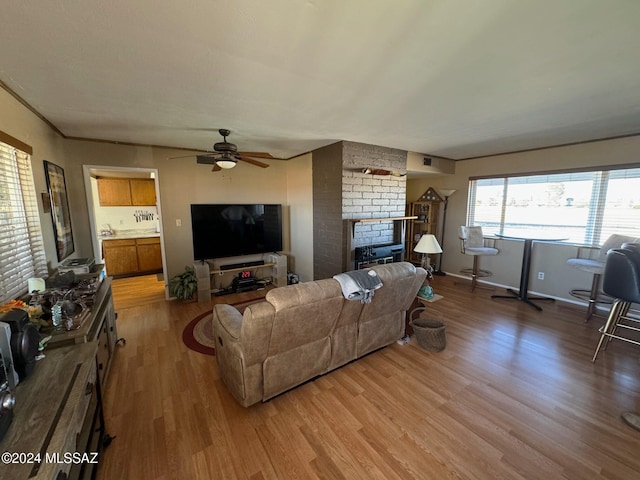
(584, 207)
(22, 253)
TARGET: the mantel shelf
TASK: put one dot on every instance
(369, 220)
(383, 219)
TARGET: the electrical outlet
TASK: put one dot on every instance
(540, 275)
(178, 222)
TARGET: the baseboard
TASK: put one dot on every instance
(570, 301)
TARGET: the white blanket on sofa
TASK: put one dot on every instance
(359, 284)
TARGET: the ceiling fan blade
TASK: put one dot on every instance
(257, 155)
(216, 168)
(182, 156)
(252, 161)
(206, 159)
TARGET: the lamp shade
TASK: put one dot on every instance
(428, 244)
(447, 193)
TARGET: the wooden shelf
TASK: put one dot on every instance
(370, 220)
(383, 219)
(232, 270)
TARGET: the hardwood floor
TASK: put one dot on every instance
(139, 290)
(514, 395)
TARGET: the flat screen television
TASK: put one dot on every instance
(229, 230)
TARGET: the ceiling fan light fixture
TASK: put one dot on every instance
(226, 161)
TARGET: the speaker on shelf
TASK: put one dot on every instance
(203, 277)
(279, 269)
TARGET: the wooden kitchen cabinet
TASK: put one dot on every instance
(143, 191)
(149, 254)
(114, 191)
(126, 192)
(120, 256)
(132, 256)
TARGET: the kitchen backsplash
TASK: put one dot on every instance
(127, 218)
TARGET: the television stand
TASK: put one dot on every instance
(214, 280)
(246, 288)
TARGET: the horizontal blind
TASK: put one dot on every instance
(583, 207)
(22, 253)
(620, 212)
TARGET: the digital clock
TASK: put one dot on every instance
(245, 274)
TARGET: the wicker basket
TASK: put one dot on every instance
(429, 331)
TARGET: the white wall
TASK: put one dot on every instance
(549, 258)
(300, 201)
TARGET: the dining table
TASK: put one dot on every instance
(522, 293)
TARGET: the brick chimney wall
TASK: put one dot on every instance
(342, 192)
(328, 235)
(372, 196)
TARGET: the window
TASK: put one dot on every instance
(22, 253)
(585, 207)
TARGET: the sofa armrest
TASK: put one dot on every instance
(229, 318)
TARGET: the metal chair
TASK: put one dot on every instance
(592, 259)
(472, 243)
(622, 282)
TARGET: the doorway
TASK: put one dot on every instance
(138, 222)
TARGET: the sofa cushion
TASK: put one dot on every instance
(300, 345)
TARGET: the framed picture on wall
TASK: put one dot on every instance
(59, 210)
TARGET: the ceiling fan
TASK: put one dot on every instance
(225, 155)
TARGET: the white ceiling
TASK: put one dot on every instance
(450, 78)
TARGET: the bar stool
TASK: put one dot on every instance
(622, 282)
(592, 259)
(472, 243)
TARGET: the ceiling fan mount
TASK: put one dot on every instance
(224, 146)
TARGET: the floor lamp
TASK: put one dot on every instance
(446, 194)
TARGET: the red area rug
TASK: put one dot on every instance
(198, 334)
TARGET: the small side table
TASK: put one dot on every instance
(424, 300)
(424, 304)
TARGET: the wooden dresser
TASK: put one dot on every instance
(58, 426)
(57, 418)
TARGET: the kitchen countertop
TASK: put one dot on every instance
(125, 234)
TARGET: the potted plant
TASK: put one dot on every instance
(184, 285)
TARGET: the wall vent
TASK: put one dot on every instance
(426, 161)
